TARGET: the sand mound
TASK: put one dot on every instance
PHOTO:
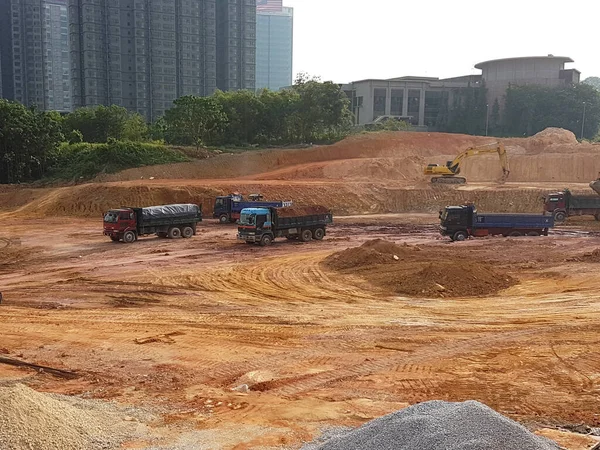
(408, 270)
(441, 425)
(32, 420)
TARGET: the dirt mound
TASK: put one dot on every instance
(408, 270)
(32, 420)
(445, 279)
(552, 136)
(12, 257)
(377, 251)
(591, 257)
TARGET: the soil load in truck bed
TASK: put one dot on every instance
(302, 211)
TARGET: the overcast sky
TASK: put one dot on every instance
(349, 40)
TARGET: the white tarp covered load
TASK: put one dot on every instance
(169, 211)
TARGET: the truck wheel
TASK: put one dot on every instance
(114, 238)
(223, 218)
(187, 232)
(515, 234)
(266, 240)
(174, 233)
(129, 237)
(560, 216)
(533, 233)
(306, 235)
(319, 234)
(459, 236)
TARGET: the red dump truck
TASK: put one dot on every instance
(167, 221)
(262, 225)
(564, 204)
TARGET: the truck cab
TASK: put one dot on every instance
(117, 222)
(222, 208)
(556, 204)
(255, 224)
(457, 221)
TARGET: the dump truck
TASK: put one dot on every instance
(166, 221)
(263, 225)
(564, 204)
(228, 208)
(461, 222)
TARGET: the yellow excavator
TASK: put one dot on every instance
(448, 174)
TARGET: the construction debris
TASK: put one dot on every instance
(51, 370)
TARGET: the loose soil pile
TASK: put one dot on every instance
(441, 425)
(408, 270)
(591, 257)
(32, 420)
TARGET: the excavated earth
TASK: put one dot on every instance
(208, 343)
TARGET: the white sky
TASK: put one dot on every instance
(349, 40)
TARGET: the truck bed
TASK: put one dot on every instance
(584, 202)
(520, 221)
(304, 216)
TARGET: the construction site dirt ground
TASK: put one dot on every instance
(173, 326)
(317, 348)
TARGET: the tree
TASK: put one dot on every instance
(278, 107)
(194, 121)
(244, 112)
(530, 109)
(99, 123)
(592, 81)
(27, 139)
(323, 109)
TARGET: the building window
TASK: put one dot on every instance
(379, 96)
(397, 102)
(414, 98)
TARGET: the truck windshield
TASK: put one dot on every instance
(444, 215)
(219, 202)
(247, 219)
(111, 217)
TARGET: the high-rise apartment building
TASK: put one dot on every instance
(34, 53)
(274, 47)
(236, 44)
(143, 54)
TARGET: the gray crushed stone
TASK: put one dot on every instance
(438, 425)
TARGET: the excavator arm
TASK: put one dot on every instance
(452, 168)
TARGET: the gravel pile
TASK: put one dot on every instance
(438, 425)
(31, 420)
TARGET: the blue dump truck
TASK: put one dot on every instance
(228, 208)
(262, 225)
(460, 222)
(167, 221)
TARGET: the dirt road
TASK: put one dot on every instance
(315, 347)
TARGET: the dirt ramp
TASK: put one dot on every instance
(415, 272)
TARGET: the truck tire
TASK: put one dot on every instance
(460, 236)
(560, 216)
(129, 237)
(187, 232)
(162, 235)
(223, 218)
(174, 233)
(515, 234)
(115, 238)
(533, 233)
(319, 234)
(266, 240)
(306, 235)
